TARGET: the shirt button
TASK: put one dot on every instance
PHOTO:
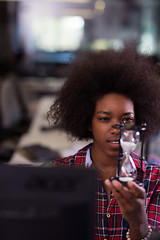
(108, 216)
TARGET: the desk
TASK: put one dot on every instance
(54, 139)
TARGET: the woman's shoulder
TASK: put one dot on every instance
(152, 171)
(72, 160)
(152, 178)
(147, 165)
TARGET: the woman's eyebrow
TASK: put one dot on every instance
(104, 112)
(108, 113)
(128, 113)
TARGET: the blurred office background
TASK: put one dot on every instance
(38, 38)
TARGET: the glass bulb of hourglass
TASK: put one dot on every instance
(129, 139)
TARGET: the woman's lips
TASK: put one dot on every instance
(113, 143)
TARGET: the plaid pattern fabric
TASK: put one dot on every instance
(109, 222)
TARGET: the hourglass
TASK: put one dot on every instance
(129, 137)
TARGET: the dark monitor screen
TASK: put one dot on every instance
(44, 203)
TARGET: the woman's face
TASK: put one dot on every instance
(110, 109)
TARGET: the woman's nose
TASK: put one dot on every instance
(115, 129)
(117, 126)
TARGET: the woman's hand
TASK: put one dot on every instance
(131, 200)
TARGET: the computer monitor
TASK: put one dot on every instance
(44, 203)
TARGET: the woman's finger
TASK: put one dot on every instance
(138, 191)
(120, 192)
(127, 192)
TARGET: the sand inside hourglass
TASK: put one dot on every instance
(126, 179)
(128, 146)
(126, 176)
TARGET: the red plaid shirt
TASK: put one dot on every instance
(109, 223)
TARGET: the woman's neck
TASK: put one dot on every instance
(102, 161)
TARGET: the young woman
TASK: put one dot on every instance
(103, 89)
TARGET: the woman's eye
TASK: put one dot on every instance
(104, 119)
(128, 119)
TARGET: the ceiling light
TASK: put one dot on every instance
(100, 5)
(74, 22)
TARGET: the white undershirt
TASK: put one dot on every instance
(88, 162)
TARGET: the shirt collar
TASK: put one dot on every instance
(88, 162)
